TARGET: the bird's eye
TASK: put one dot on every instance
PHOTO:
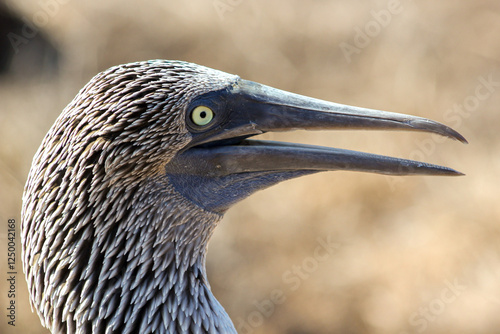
(202, 115)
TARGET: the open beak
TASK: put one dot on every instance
(253, 109)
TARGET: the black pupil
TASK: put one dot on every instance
(203, 114)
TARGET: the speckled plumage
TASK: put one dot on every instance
(109, 246)
(135, 174)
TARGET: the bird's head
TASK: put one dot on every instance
(191, 123)
(149, 152)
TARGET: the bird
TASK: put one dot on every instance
(133, 177)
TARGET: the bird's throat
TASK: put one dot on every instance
(168, 265)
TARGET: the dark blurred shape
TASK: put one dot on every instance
(25, 50)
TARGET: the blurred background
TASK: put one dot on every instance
(337, 252)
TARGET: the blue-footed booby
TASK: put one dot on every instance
(130, 182)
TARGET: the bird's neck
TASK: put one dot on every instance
(163, 273)
(138, 266)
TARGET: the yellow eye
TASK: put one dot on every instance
(202, 115)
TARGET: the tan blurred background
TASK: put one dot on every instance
(406, 255)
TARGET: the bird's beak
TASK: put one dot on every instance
(253, 108)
